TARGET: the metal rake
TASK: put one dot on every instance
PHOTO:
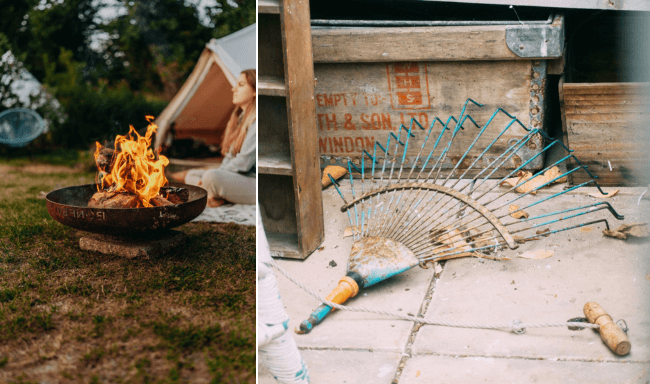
(443, 208)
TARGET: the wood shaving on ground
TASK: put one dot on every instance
(352, 230)
(542, 232)
(516, 213)
(625, 230)
(538, 254)
(336, 171)
(601, 196)
(533, 182)
(453, 241)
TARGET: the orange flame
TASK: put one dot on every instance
(135, 167)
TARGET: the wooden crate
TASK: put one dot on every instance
(359, 103)
(606, 124)
(369, 81)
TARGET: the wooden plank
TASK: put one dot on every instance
(606, 89)
(274, 164)
(301, 113)
(451, 43)
(358, 104)
(271, 86)
(607, 133)
(268, 6)
(284, 245)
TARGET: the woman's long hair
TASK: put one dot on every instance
(237, 128)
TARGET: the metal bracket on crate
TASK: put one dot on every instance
(537, 41)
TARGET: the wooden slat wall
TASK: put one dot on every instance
(607, 122)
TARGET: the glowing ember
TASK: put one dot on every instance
(135, 168)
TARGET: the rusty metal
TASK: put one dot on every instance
(69, 206)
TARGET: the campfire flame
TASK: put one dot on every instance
(136, 169)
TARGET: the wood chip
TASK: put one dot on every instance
(336, 171)
(538, 254)
(625, 230)
(454, 242)
(533, 183)
(515, 213)
(601, 196)
(352, 230)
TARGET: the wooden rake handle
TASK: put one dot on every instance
(609, 331)
(347, 288)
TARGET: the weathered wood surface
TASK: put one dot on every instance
(605, 123)
(270, 60)
(274, 155)
(301, 113)
(450, 43)
(359, 103)
(268, 6)
(271, 86)
(275, 164)
(278, 209)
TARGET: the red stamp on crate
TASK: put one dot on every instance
(408, 84)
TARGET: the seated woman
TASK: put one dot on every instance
(234, 180)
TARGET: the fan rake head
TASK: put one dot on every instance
(442, 208)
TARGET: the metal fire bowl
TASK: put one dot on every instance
(69, 206)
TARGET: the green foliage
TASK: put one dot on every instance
(95, 113)
(159, 42)
(151, 49)
(227, 18)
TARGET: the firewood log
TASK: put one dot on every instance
(159, 201)
(113, 200)
(175, 195)
(105, 159)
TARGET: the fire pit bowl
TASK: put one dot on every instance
(69, 206)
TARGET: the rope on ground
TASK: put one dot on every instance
(516, 326)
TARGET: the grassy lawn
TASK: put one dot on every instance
(72, 316)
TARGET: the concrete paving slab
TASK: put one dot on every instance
(462, 370)
(586, 266)
(337, 367)
(403, 293)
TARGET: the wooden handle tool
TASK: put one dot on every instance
(609, 331)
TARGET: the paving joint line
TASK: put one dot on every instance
(568, 359)
(406, 355)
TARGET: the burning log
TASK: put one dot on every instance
(160, 201)
(105, 199)
(175, 195)
(105, 159)
(133, 174)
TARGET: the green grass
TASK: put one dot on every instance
(185, 316)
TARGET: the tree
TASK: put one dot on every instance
(52, 25)
(229, 16)
(158, 41)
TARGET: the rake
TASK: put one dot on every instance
(444, 207)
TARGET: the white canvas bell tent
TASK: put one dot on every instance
(203, 105)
